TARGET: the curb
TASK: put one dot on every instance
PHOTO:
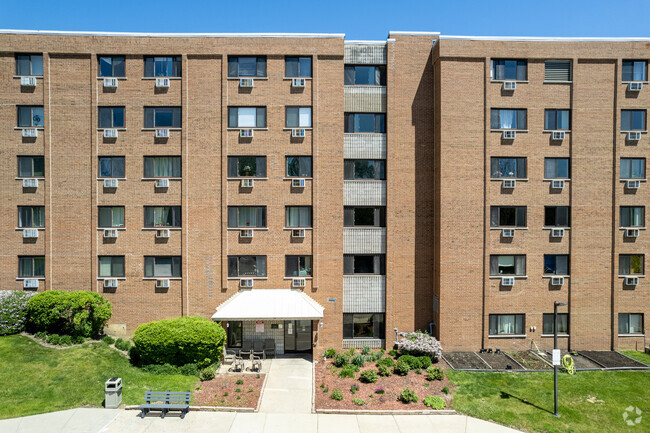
(207, 409)
(387, 412)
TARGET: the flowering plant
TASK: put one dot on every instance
(247, 168)
(420, 344)
(13, 311)
(380, 390)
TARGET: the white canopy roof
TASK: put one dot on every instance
(269, 304)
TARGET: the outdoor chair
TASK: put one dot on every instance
(229, 356)
(246, 348)
(258, 349)
(256, 363)
(269, 347)
(238, 364)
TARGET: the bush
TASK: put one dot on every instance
(401, 368)
(357, 360)
(336, 395)
(387, 362)
(358, 401)
(206, 374)
(185, 340)
(445, 390)
(435, 402)
(65, 340)
(420, 344)
(78, 339)
(435, 373)
(42, 335)
(124, 345)
(424, 361)
(161, 369)
(351, 352)
(348, 371)
(368, 376)
(108, 339)
(354, 388)
(239, 382)
(392, 353)
(330, 353)
(412, 361)
(53, 338)
(407, 396)
(13, 311)
(189, 370)
(341, 359)
(383, 371)
(365, 350)
(380, 390)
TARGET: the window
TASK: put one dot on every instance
(557, 119)
(299, 166)
(503, 69)
(635, 70)
(111, 266)
(364, 264)
(298, 117)
(633, 120)
(630, 323)
(508, 167)
(556, 168)
(235, 334)
(557, 70)
(562, 324)
(162, 216)
(365, 122)
(247, 266)
(364, 216)
(30, 116)
(508, 118)
(31, 216)
(364, 325)
(162, 266)
(111, 117)
(31, 266)
(29, 64)
(506, 324)
(247, 166)
(31, 166)
(365, 75)
(298, 216)
(632, 168)
(557, 216)
(162, 66)
(630, 264)
(162, 117)
(111, 216)
(508, 216)
(111, 66)
(246, 117)
(556, 264)
(507, 265)
(365, 169)
(239, 66)
(162, 166)
(632, 216)
(297, 66)
(111, 166)
(298, 266)
(246, 216)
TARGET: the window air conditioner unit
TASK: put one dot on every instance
(30, 233)
(298, 82)
(247, 233)
(635, 87)
(633, 136)
(509, 183)
(30, 283)
(298, 282)
(557, 233)
(162, 82)
(631, 233)
(507, 281)
(509, 135)
(298, 233)
(557, 281)
(28, 81)
(298, 183)
(110, 82)
(632, 184)
(110, 283)
(247, 183)
(162, 133)
(245, 283)
(30, 132)
(162, 183)
(110, 183)
(246, 133)
(631, 281)
(298, 132)
(30, 183)
(557, 184)
(110, 133)
(509, 85)
(558, 135)
(110, 233)
(246, 82)
(162, 284)
(162, 233)
(508, 233)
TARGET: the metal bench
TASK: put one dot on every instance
(165, 401)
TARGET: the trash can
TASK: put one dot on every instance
(113, 393)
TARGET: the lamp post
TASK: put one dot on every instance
(556, 354)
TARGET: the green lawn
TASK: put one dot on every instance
(35, 379)
(639, 356)
(525, 400)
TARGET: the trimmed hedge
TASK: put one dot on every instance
(185, 340)
(13, 311)
(68, 313)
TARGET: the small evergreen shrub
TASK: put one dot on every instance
(368, 376)
(445, 390)
(424, 361)
(341, 359)
(435, 373)
(336, 395)
(358, 401)
(348, 371)
(108, 339)
(392, 353)
(13, 311)
(357, 360)
(330, 353)
(206, 374)
(383, 371)
(388, 362)
(401, 368)
(420, 344)
(412, 361)
(435, 402)
(407, 396)
(124, 345)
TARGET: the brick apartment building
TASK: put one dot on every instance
(317, 191)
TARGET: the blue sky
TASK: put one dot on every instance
(357, 19)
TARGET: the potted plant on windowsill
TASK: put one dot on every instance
(246, 171)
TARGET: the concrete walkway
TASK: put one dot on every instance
(288, 386)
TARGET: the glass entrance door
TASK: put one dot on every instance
(297, 335)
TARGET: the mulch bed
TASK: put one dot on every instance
(465, 361)
(530, 361)
(213, 392)
(611, 359)
(579, 361)
(500, 361)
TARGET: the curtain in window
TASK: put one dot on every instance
(494, 216)
(562, 265)
(507, 167)
(636, 323)
(506, 265)
(105, 266)
(292, 117)
(246, 117)
(38, 216)
(636, 219)
(506, 324)
(638, 74)
(118, 217)
(305, 117)
(247, 217)
(563, 119)
(298, 216)
(507, 119)
(520, 265)
(632, 168)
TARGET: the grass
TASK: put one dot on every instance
(639, 356)
(588, 401)
(36, 379)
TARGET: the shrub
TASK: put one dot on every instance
(435, 402)
(354, 388)
(124, 345)
(185, 340)
(388, 362)
(420, 344)
(41, 335)
(161, 369)
(368, 376)
(341, 359)
(330, 353)
(189, 370)
(401, 368)
(65, 340)
(384, 371)
(13, 311)
(372, 357)
(392, 353)
(407, 396)
(435, 373)
(365, 350)
(206, 374)
(351, 352)
(445, 390)
(336, 395)
(108, 339)
(357, 360)
(380, 390)
(348, 371)
(53, 338)
(250, 390)
(70, 313)
(424, 361)
(358, 401)
(238, 390)
(239, 382)
(412, 361)
(78, 339)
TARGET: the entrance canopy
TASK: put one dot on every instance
(269, 304)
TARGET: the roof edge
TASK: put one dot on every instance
(393, 32)
(175, 35)
(545, 38)
(365, 42)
